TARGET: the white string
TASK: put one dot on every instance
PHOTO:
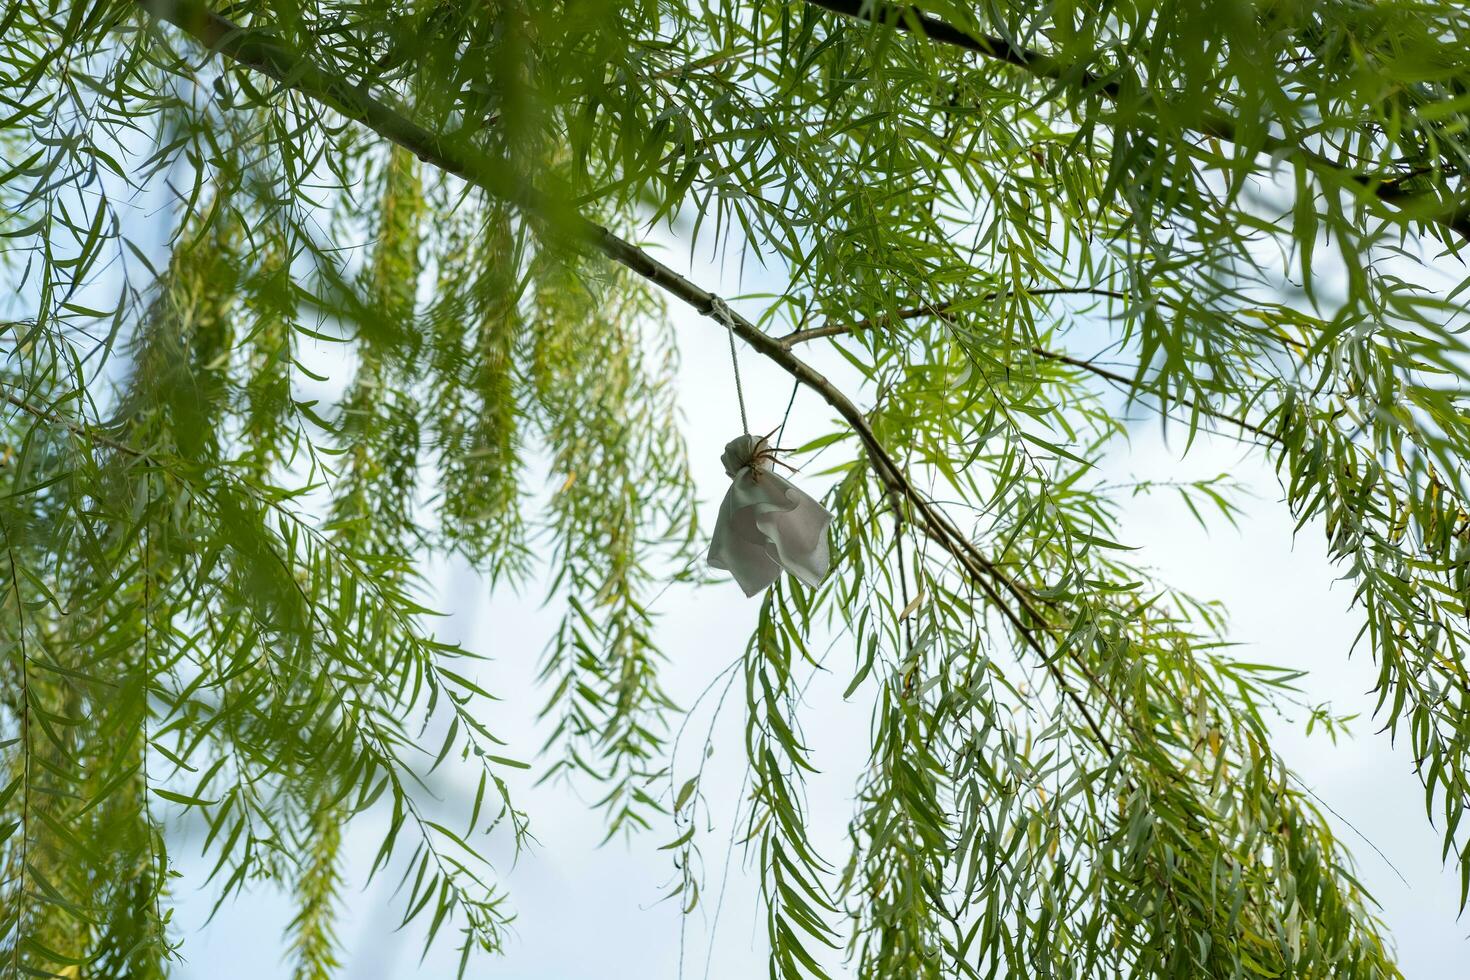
(720, 311)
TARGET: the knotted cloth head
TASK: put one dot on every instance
(766, 524)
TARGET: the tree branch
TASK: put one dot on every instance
(1452, 215)
(261, 51)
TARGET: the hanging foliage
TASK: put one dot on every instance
(303, 294)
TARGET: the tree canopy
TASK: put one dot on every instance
(1247, 215)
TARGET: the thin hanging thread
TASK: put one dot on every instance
(722, 312)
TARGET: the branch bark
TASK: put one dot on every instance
(1451, 215)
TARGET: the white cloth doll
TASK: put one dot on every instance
(765, 523)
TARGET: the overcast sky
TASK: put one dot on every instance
(593, 911)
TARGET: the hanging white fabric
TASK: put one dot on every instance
(766, 524)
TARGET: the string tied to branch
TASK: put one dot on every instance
(720, 310)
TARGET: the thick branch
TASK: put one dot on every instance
(259, 50)
(1453, 215)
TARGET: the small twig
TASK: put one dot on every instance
(833, 329)
(76, 428)
(943, 312)
(1128, 382)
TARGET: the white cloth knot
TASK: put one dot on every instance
(743, 451)
(765, 524)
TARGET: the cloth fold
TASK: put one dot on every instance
(765, 524)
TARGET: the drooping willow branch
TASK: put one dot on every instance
(259, 50)
(1452, 215)
(97, 438)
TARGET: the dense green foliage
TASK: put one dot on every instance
(213, 530)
